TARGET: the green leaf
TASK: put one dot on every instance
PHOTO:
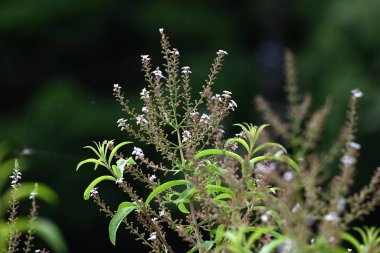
(268, 248)
(282, 158)
(349, 238)
(123, 210)
(91, 160)
(239, 140)
(131, 161)
(269, 145)
(219, 152)
(94, 150)
(257, 234)
(259, 130)
(114, 150)
(219, 234)
(217, 188)
(164, 187)
(87, 192)
(182, 208)
(121, 166)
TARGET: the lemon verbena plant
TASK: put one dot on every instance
(241, 194)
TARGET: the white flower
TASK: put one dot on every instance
(140, 119)
(340, 204)
(296, 208)
(266, 216)
(121, 122)
(119, 180)
(332, 217)
(217, 97)
(232, 105)
(288, 176)
(33, 195)
(221, 130)
(226, 94)
(194, 114)
(154, 219)
(186, 70)
(152, 236)
(348, 160)
(204, 118)
(144, 94)
(240, 135)
(354, 145)
(312, 241)
(266, 169)
(175, 51)
(37, 251)
(94, 192)
(145, 57)
(144, 109)
(357, 93)
(221, 52)
(138, 153)
(349, 250)
(186, 135)
(116, 87)
(234, 146)
(16, 176)
(152, 178)
(161, 30)
(158, 73)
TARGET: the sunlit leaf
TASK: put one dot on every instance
(164, 187)
(115, 149)
(91, 160)
(91, 186)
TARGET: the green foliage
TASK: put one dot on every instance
(242, 194)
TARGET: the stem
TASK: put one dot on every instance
(159, 234)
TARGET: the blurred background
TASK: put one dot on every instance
(60, 59)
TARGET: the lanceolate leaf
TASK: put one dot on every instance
(269, 145)
(164, 187)
(349, 238)
(268, 248)
(120, 166)
(219, 152)
(91, 160)
(216, 188)
(91, 186)
(124, 209)
(239, 140)
(283, 158)
(114, 150)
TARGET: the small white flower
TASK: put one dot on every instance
(240, 135)
(312, 241)
(140, 119)
(349, 250)
(154, 219)
(16, 176)
(161, 30)
(357, 93)
(144, 109)
(204, 118)
(288, 176)
(33, 195)
(152, 236)
(152, 178)
(144, 94)
(94, 192)
(119, 180)
(116, 87)
(158, 73)
(221, 52)
(175, 51)
(37, 251)
(162, 212)
(234, 146)
(194, 114)
(348, 160)
(121, 122)
(264, 168)
(354, 145)
(332, 217)
(227, 92)
(341, 204)
(186, 135)
(266, 216)
(186, 70)
(221, 130)
(145, 57)
(296, 208)
(232, 105)
(138, 153)
(217, 97)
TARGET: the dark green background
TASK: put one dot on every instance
(59, 61)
